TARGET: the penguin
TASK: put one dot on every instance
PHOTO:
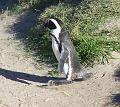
(65, 53)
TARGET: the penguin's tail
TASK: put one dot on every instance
(82, 75)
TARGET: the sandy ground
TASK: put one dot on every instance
(20, 80)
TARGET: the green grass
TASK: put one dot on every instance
(20, 7)
(83, 20)
(23, 5)
(17, 9)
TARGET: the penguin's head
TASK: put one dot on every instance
(55, 25)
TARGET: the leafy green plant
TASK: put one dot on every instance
(17, 9)
(83, 21)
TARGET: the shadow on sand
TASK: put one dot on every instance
(117, 74)
(25, 77)
(115, 98)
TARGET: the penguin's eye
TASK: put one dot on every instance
(50, 25)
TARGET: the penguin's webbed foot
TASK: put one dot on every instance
(58, 82)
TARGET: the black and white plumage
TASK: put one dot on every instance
(64, 50)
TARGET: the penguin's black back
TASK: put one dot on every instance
(65, 39)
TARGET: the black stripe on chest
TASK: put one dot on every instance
(59, 44)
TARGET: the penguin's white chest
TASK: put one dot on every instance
(55, 49)
(57, 54)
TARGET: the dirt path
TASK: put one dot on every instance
(20, 80)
